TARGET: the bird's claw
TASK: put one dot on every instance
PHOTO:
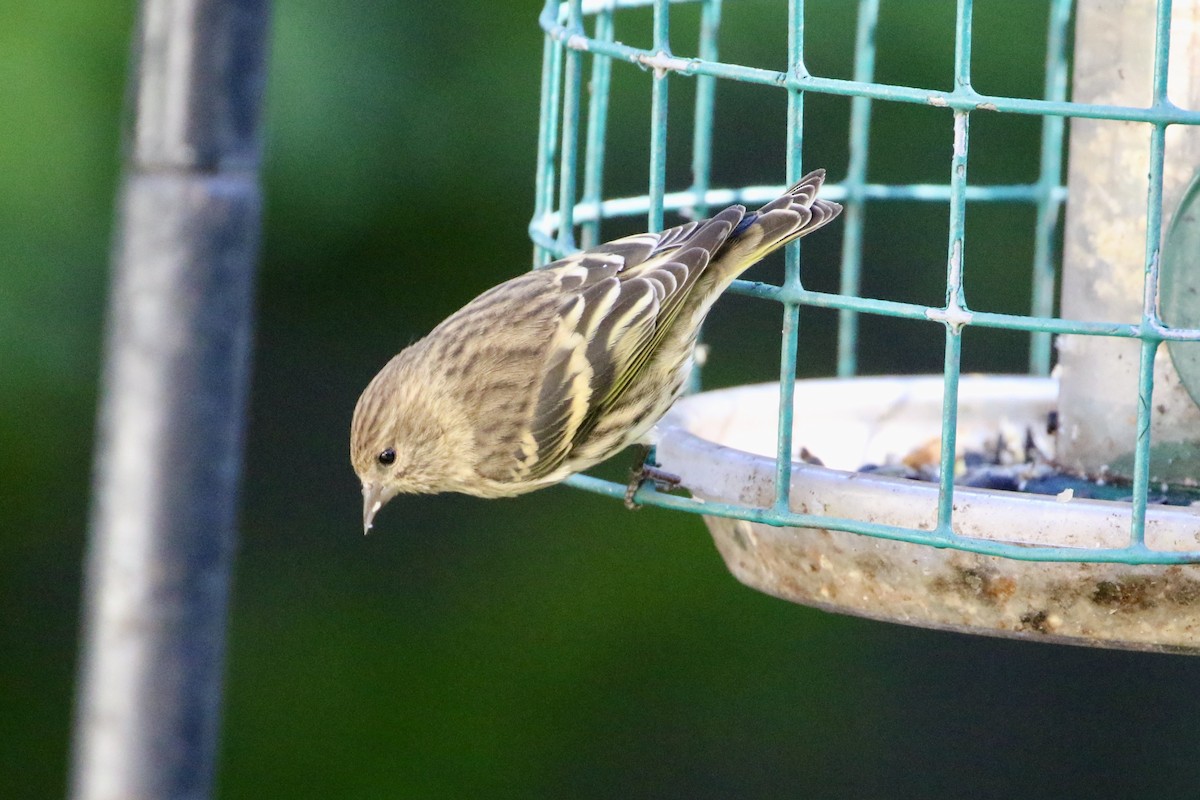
(648, 471)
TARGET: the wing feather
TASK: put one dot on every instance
(565, 394)
(613, 301)
(620, 300)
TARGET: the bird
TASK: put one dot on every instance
(553, 371)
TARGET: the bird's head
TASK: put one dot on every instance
(401, 439)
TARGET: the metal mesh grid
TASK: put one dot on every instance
(558, 214)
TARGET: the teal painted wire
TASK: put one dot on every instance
(956, 304)
(947, 458)
(920, 192)
(961, 99)
(597, 127)
(937, 537)
(706, 89)
(702, 128)
(856, 177)
(789, 342)
(658, 119)
(794, 135)
(1141, 457)
(962, 45)
(1049, 204)
(787, 391)
(1150, 319)
(547, 139)
(612, 5)
(1162, 50)
(892, 308)
(573, 87)
(548, 220)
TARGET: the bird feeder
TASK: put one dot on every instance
(1057, 505)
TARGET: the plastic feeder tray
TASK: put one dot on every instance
(722, 444)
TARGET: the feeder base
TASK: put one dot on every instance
(721, 444)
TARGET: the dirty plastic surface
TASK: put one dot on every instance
(722, 444)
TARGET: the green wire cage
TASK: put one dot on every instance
(1109, 397)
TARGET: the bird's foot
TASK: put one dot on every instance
(648, 470)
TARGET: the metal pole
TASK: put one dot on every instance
(168, 453)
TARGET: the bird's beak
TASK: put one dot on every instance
(372, 502)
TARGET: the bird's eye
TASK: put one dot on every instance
(387, 456)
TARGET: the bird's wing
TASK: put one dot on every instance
(618, 300)
(580, 332)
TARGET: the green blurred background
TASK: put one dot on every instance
(555, 645)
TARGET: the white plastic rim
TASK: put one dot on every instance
(722, 444)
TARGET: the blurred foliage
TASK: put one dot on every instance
(554, 645)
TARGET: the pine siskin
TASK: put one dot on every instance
(557, 369)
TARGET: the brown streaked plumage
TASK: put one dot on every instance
(555, 370)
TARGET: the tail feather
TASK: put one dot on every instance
(795, 213)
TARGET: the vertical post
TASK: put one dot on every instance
(168, 454)
(1122, 174)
